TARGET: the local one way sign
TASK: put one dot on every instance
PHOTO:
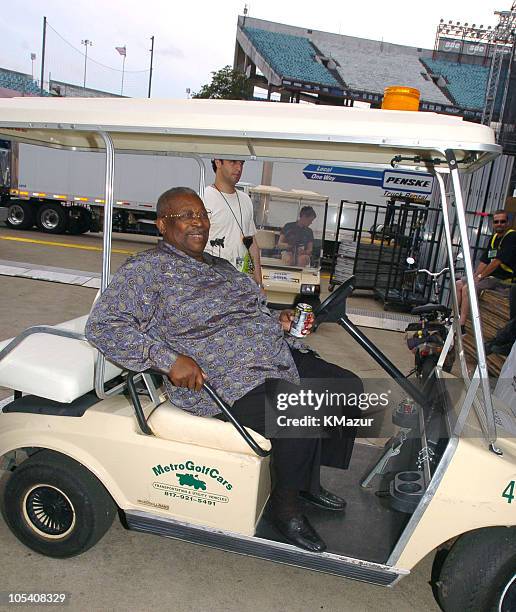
(391, 180)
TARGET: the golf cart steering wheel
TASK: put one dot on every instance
(334, 306)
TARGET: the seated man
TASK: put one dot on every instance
(297, 239)
(183, 311)
(496, 267)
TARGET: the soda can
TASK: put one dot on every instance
(303, 317)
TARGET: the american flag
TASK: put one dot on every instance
(121, 50)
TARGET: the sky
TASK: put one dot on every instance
(193, 38)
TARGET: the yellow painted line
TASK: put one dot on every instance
(65, 244)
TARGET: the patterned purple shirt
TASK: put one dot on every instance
(162, 303)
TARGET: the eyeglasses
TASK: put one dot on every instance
(504, 222)
(189, 215)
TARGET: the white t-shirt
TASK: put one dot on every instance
(231, 217)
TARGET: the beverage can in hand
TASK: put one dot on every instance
(303, 317)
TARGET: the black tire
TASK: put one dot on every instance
(55, 506)
(427, 368)
(79, 220)
(479, 569)
(20, 215)
(52, 218)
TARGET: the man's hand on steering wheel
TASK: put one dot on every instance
(186, 373)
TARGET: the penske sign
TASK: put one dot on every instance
(412, 182)
(393, 182)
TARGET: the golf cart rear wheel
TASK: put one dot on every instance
(479, 572)
(56, 506)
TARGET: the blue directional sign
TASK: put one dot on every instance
(390, 180)
(338, 174)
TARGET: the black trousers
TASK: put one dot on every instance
(296, 461)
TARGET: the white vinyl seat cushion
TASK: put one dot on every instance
(54, 367)
(172, 423)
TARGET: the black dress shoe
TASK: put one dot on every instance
(324, 499)
(298, 531)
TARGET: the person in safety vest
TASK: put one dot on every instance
(496, 268)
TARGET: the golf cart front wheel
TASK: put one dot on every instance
(479, 572)
(56, 506)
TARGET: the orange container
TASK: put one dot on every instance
(399, 97)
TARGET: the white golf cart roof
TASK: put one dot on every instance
(269, 131)
(244, 130)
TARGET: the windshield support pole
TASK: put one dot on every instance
(202, 175)
(473, 301)
(453, 289)
(100, 364)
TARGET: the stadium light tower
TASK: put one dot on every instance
(87, 43)
(32, 58)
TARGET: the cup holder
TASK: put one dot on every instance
(409, 476)
(406, 415)
(409, 487)
(406, 490)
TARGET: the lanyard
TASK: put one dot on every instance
(232, 212)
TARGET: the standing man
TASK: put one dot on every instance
(496, 267)
(233, 232)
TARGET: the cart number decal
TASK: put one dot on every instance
(509, 492)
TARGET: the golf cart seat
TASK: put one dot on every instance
(173, 423)
(53, 367)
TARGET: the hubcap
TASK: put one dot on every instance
(48, 511)
(16, 214)
(508, 598)
(49, 219)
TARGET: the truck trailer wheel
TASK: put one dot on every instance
(79, 220)
(52, 218)
(56, 506)
(20, 215)
(479, 572)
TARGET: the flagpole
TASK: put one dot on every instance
(43, 55)
(151, 59)
(123, 70)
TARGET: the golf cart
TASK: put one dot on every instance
(288, 279)
(83, 439)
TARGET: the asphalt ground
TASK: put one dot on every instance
(131, 571)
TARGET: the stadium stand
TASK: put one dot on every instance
(69, 90)
(19, 82)
(373, 65)
(466, 82)
(321, 67)
(291, 56)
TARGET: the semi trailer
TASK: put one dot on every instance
(54, 190)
